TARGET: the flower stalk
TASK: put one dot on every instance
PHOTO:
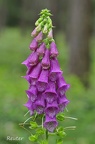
(47, 86)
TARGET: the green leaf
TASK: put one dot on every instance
(60, 117)
(43, 142)
(33, 138)
(59, 141)
(33, 125)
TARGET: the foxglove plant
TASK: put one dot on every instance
(47, 86)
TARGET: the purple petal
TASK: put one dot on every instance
(43, 80)
(53, 50)
(46, 60)
(33, 46)
(55, 70)
(50, 124)
(40, 104)
(39, 37)
(34, 59)
(27, 78)
(41, 50)
(30, 106)
(62, 85)
(26, 62)
(32, 93)
(34, 32)
(50, 34)
(62, 102)
(35, 73)
(52, 109)
(50, 93)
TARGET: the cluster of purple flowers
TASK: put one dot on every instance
(47, 87)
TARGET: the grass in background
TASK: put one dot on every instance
(14, 50)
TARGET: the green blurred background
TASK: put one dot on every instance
(74, 33)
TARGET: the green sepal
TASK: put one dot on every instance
(60, 117)
(38, 21)
(33, 138)
(33, 125)
(40, 131)
(60, 132)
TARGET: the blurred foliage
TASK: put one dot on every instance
(14, 50)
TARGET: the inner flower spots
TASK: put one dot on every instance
(39, 109)
(50, 97)
(41, 86)
(53, 76)
(51, 111)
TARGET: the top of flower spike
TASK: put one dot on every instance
(44, 25)
(45, 12)
(44, 18)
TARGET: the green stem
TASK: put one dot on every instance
(47, 135)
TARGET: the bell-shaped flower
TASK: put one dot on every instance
(39, 37)
(54, 70)
(62, 85)
(40, 104)
(29, 70)
(50, 93)
(34, 44)
(50, 123)
(53, 49)
(27, 78)
(32, 93)
(52, 109)
(42, 80)
(62, 102)
(34, 32)
(41, 50)
(50, 34)
(35, 74)
(33, 59)
(46, 60)
(26, 62)
(30, 106)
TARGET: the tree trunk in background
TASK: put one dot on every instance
(3, 13)
(80, 32)
(25, 14)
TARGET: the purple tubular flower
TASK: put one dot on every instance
(50, 123)
(39, 37)
(30, 106)
(26, 62)
(35, 74)
(32, 93)
(62, 86)
(27, 78)
(41, 50)
(46, 60)
(33, 46)
(50, 93)
(55, 70)
(62, 102)
(34, 59)
(40, 104)
(52, 109)
(43, 80)
(53, 50)
(50, 35)
(29, 70)
(34, 32)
